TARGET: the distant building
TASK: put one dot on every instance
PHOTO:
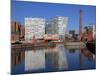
(94, 32)
(22, 33)
(72, 33)
(89, 33)
(57, 26)
(17, 31)
(34, 27)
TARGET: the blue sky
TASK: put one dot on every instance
(20, 10)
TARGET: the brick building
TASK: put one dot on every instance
(88, 35)
(17, 31)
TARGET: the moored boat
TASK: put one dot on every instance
(91, 46)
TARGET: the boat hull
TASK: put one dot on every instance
(91, 47)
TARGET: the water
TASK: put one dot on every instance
(59, 58)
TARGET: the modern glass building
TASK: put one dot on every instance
(34, 27)
(58, 26)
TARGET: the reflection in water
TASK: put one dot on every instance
(87, 54)
(52, 59)
(72, 51)
(34, 60)
(57, 58)
(17, 57)
(81, 60)
(63, 63)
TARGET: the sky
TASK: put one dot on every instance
(20, 10)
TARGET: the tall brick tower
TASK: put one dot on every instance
(80, 25)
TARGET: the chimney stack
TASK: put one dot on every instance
(80, 25)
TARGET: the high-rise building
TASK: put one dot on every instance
(57, 26)
(34, 27)
(48, 28)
